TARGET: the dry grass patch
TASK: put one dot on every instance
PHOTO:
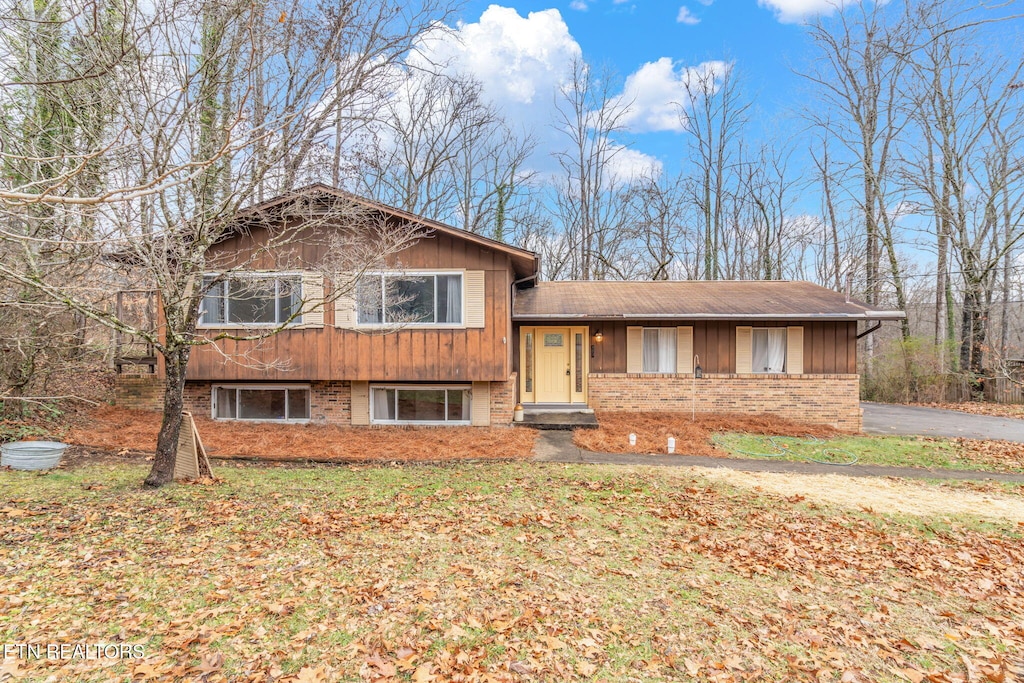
(692, 435)
(888, 495)
(117, 429)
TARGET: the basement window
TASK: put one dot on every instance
(420, 405)
(271, 403)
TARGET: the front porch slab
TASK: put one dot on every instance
(559, 418)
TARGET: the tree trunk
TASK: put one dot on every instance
(167, 440)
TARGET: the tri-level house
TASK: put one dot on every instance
(456, 329)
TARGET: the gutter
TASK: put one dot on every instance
(869, 315)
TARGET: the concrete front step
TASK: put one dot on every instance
(548, 418)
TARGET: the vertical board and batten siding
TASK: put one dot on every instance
(828, 347)
(477, 352)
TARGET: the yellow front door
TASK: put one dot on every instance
(554, 365)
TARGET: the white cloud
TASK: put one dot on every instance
(795, 11)
(629, 164)
(655, 95)
(686, 17)
(579, 5)
(518, 60)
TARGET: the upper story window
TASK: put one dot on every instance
(768, 350)
(659, 353)
(246, 299)
(410, 298)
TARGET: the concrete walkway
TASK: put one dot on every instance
(886, 418)
(558, 447)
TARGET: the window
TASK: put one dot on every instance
(251, 299)
(659, 349)
(247, 402)
(420, 404)
(768, 348)
(416, 299)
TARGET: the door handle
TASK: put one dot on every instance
(567, 373)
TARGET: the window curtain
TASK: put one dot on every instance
(777, 350)
(769, 350)
(659, 349)
(383, 404)
(666, 350)
(454, 302)
(651, 350)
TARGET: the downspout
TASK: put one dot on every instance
(869, 330)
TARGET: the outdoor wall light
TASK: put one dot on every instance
(698, 373)
(598, 337)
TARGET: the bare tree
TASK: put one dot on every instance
(206, 106)
(859, 76)
(592, 204)
(714, 116)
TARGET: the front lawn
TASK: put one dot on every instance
(898, 451)
(504, 572)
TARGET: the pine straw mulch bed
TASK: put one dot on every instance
(122, 431)
(980, 408)
(693, 436)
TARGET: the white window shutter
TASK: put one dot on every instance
(744, 350)
(795, 350)
(634, 349)
(684, 350)
(480, 405)
(312, 299)
(360, 403)
(345, 315)
(475, 298)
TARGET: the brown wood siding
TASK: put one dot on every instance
(409, 355)
(829, 347)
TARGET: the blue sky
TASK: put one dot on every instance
(517, 45)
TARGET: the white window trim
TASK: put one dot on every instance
(260, 387)
(420, 326)
(253, 274)
(420, 387)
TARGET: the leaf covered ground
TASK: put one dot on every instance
(981, 408)
(497, 572)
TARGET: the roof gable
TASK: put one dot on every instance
(525, 262)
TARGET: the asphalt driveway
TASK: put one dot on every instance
(885, 418)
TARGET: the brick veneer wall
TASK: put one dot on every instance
(139, 392)
(329, 402)
(818, 399)
(503, 401)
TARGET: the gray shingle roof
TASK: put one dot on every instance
(692, 299)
